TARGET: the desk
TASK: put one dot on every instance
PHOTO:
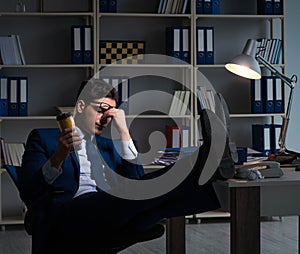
(247, 201)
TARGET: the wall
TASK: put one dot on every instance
(293, 67)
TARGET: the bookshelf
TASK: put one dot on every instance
(44, 30)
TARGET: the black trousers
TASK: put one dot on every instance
(95, 218)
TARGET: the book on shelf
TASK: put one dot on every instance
(180, 103)
(11, 50)
(205, 99)
(11, 153)
(172, 6)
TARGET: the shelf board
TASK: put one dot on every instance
(46, 66)
(41, 14)
(255, 115)
(27, 118)
(143, 15)
(147, 65)
(12, 220)
(239, 16)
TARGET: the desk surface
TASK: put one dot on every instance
(290, 177)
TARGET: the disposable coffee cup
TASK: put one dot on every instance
(66, 120)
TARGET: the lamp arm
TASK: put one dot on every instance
(291, 83)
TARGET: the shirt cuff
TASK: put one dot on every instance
(129, 151)
(50, 173)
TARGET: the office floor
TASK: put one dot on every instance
(209, 237)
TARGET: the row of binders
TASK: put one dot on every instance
(267, 95)
(13, 96)
(178, 44)
(11, 51)
(207, 6)
(81, 44)
(172, 6)
(108, 5)
(265, 138)
(180, 103)
(11, 153)
(270, 7)
(270, 49)
(205, 45)
(122, 85)
(205, 99)
(177, 136)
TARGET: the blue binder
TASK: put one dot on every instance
(265, 7)
(23, 96)
(173, 41)
(185, 52)
(209, 45)
(207, 6)
(268, 94)
(200, 45)
(278, 95)
(275, 134)
(103, 5)
(261, 138)
(76, 44)
(215, 7)
(199, 6)
(13, 109)
(3, 96)
(256, 96)
(112, 5)
(277, 7)
(87, 44)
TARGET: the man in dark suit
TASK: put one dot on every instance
(82, 211)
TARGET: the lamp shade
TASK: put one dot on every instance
(245, 64)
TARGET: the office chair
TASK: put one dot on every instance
(111, 245)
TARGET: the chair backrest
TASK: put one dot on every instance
(13, 172)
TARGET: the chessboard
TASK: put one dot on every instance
(122, 52)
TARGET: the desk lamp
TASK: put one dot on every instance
(247, 66)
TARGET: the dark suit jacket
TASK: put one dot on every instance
(40, 145)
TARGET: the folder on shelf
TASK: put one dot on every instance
(215, 7)
(87, 44)
(200, 45)
(277, 7)
(268, 94)
(76, 44)
(185, 103)
(275, 134)
(256, 96)
(185, 133)
(103, 5)
(123, 90)
(185, 54)
(3, 96)
(261, 138)
(173, 41)
(160, 6)
(174, 103)
(278, 95)
(209, 52)
(112, 5)
(207, 6)
(173, 136)
(265, 7)
(13, 97)
(23, 96)
(199, 6)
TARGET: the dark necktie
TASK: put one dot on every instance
(97, 167)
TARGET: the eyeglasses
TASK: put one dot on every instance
(101, 107)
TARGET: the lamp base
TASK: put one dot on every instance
(286, 157)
